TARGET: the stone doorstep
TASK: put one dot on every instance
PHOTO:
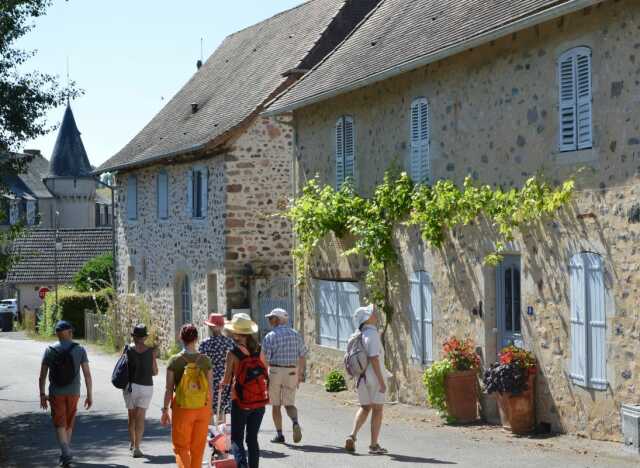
(427, 419)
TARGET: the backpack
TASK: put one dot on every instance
(251, 381)
(120, 375)
(356, 359)
(193, 389)
(63, 370)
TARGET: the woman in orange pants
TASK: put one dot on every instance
(189, 425)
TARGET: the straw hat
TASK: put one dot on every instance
(241, 324)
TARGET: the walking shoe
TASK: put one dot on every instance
(65, 461)
(278, 439)
(297, 433)
(350, 444)
(377, 450)
(137, 453)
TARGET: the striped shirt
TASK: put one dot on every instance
(283, 346)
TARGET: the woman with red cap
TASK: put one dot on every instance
(216, 348)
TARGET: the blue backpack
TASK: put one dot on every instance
(120, 378)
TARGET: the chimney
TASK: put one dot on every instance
(194, 107)
(199, 64)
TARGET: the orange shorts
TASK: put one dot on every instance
(63, 410)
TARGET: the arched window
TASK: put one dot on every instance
(420, 158)
(574, 79)
(185, 300)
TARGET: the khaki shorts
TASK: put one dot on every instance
(283, 384)
(369, 392)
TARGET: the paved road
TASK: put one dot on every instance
(101, 440)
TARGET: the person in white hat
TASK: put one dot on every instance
(372, 387)
(284, 352)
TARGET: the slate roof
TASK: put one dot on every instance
(401, 35)
(69, 158)
(36, 260)
(30, 183)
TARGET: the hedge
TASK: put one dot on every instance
(72, 305)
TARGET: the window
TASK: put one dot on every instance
(588, 321)
(574, 77)
(107, 221)
(131, 280)
(336, 303)
(212, 293)
(421, 318)
(22, 211)
(97, 216)
(163, 195)
(197, 192)
(420, 157)
(345, 150)
(132, 198)
(14, 212)
(185, 300)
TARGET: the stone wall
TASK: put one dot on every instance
(494, 116)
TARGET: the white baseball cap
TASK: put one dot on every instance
(362, 314)
(280, 313)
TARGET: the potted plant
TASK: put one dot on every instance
(512, 378)
(451, 383)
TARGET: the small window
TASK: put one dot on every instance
(575, 109)
(345, 150)
(185, 300)
(336, 303)
(421, 318)
(163, 195)
(212, 293)
(420, 151)
(588, 321)
(132, 198)
(197, 192)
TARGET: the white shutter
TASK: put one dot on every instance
(327, 308)
(415, 166)
(204, 188)
(31, 212)
(189, 207)
(163, 195)
(578, 322)
(567, 111)
(349, 148)
(427, 316)
(132, 197)
(348, 302)
(596, 320)
(417, 352)
(339, 153)
(14, 211)
(584, 98)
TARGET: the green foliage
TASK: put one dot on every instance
(96, 274)
(433, 380)
(71, 307)
(335, 382)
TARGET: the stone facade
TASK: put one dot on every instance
(494, 116)
(246, 182)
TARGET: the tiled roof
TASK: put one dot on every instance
(401, 35)
(30, 182)
(35, 252)
(232, 84)
(69, 158)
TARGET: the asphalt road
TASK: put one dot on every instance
(101, 440)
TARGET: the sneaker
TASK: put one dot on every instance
(350, 444)
(65, 461)
(377, 450)
(137, 453)
(297, 433)
(278, 439)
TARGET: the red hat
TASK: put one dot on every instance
(215, 320)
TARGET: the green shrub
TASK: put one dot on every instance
(72, 305)
(334, 382)
(95, 275)
(433, 380)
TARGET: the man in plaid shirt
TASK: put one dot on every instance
(284, 352)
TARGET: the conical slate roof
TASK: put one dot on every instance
(69, 158)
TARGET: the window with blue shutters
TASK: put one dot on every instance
(420, 136)
(588, 321)
(197, 192)
(575, 93)
(132, 198)
(336, 302)
(163, 195)
(421, 318)
(345, 150)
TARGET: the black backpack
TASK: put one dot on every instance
(63, 369)
(120, 378)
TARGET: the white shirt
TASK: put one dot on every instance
(373, 346)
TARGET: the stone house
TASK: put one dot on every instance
(540, 87)
(199, 186)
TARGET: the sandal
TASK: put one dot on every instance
(350, 444)
(377, 450)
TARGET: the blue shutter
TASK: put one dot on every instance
(339, 153)
(567, 108)
(596, 321)
(327, 307)
(348, 302)
(163, 195)
(204, 188)
(417, 352)
(349, 149)
(14, 211)
(427, 316)
(132, 197)
(578, 321)
(584, 98)
(189, 207)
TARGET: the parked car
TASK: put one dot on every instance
(9, 305)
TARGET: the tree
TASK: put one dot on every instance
(95, 274)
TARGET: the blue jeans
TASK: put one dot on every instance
(251, 420)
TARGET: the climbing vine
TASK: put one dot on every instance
(433, 209)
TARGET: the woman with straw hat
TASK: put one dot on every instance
(216, 348)
(246, 372)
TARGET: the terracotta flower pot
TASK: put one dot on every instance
(517, 412)
(461, 393)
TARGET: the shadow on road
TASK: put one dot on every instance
(319, 449)
(30, 440)
(411, 459)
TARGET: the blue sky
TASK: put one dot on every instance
(130, 57)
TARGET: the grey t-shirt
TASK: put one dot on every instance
(79, 356)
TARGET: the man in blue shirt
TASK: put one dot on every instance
(284, 352)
